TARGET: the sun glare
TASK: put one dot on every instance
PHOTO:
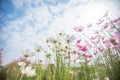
(94, 12)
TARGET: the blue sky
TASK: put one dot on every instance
(26, 23)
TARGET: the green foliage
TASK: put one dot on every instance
(113, 70)
(3, 74)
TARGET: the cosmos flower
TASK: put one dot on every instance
(87, 55)
(69, 38)
(27, 53)
(114, 42)
(82, 48)
(78, 41)
(78, 28)
(105, 26)
(38, 49)
(115, 20)
(51, 40)
(78, 53)
(107, 43)
(21, 64)
(60, 33)
(95, 52)
(26, 70)
(96, 32)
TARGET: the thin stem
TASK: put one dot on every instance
(21, 77)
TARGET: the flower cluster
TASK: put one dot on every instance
(27, 70)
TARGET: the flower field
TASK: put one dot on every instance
(67, 57)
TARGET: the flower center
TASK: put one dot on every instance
(26, 55)
(113, 41)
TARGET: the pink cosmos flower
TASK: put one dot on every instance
(107, 43)
(114, 42)
(117, 37)
(87, 55)
(96, 32)
(82, 48)
(95, 52)
(79, 28)
(78, 53)
(115, 20)
(78, 41)
(105, 26)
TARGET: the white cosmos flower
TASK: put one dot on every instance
(52, 39)
(60, 33)
(27, 53)
(69, 38)
(38, 49)
(28, 71)
(22, 64)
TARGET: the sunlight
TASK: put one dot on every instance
(94, 12)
